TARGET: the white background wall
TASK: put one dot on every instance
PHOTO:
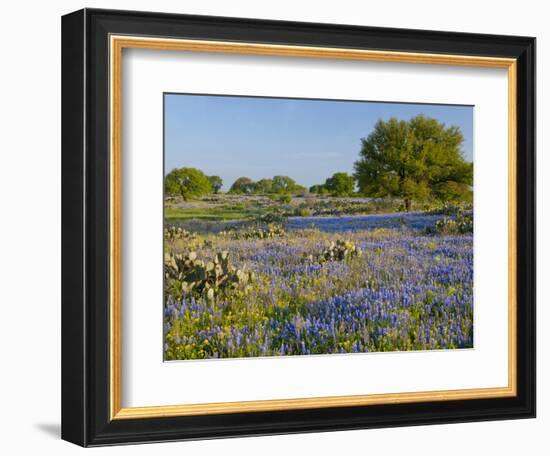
(30, 191)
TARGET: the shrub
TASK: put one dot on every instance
(285, 199)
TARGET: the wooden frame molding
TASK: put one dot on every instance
(116, 46)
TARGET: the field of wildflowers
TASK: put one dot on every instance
(319, 285)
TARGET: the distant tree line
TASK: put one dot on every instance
(281, 185)
(417, 160)
(340, 184)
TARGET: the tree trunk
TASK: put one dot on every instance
(408, 205)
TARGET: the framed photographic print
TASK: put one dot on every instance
(279, 227)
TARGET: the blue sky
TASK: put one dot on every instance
(308, 140)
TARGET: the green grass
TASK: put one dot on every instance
(213, 213)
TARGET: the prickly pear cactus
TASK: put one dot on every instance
(273, 230)
(185, 274)
(174, 233)
(462, 223)
(340, 250)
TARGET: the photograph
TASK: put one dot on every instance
(316, 226)
(279, 224)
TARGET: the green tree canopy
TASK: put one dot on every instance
(318, 189)
(264, 186)
(340, 184)
(216, 183)
(187, 182)
(242, 185)
(416, 160)
(285, 184)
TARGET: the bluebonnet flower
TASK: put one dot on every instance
(408, 291)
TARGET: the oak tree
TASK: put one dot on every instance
(416, 160)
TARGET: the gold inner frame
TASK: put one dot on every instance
(117, 44)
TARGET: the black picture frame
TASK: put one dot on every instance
(85, 228)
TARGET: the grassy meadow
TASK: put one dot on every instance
(250, 275)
